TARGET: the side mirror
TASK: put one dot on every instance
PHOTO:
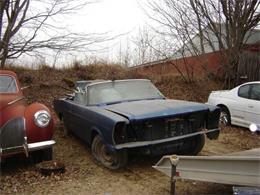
(253, 128)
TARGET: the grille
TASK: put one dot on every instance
(12, 133)
(165, 127)
(176, 127)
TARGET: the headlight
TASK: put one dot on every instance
(253, 127)
(42, 118)
(120, 133)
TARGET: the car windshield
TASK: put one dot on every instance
(125, 90)
(7, 84)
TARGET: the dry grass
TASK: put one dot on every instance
(55, 81)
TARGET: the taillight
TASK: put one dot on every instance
(120, 135)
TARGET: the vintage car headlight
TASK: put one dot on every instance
(42, 118)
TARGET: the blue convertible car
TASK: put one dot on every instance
(115, 117)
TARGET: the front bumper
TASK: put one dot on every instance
(166, 140)
(26, 148)
(40, 145)
(13, 139)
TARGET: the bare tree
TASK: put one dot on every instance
(238, 18)
(142, 46)
(225, 22)
(28, 26)
(177, 27)
(149, 46)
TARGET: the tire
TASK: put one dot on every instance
(41, 155)
(196, 144)
(224, 118)
(109, 159)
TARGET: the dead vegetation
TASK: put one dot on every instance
(82, 175)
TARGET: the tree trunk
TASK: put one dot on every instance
(2, 6)
(3, 62)
(3, 57)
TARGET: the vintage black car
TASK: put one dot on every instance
(121, 115)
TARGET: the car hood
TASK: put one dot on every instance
(144, 109)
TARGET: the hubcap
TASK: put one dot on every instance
(223, 118)
(107, 157)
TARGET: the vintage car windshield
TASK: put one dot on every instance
(7, 84)
(118, 91)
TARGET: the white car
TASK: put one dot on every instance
(239, 106)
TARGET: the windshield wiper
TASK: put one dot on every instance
(122, 101)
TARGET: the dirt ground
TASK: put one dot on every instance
(84, 176)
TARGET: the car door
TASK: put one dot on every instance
(237, 105)
(75, 113)
(79, 112)
(252, 111)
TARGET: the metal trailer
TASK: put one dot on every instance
(240, 168)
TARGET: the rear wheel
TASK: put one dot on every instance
(108, 158)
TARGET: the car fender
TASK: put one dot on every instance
(12, 111)
(221, 102)
(95, 131)
(33, 132)
(221, 105)
(110, 119)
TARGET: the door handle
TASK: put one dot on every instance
(250, 106)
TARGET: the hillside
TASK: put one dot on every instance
(53, 83)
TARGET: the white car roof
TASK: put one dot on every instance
(252, 82)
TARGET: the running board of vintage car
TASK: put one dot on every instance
(240, 168)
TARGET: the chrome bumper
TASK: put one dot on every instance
(159, 141)
(40, 145)
(26, 148)
(13, 139)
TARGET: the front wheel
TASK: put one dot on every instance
(224, 117)
(109, 159)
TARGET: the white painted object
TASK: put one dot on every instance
(240, 168)
(242, 103)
